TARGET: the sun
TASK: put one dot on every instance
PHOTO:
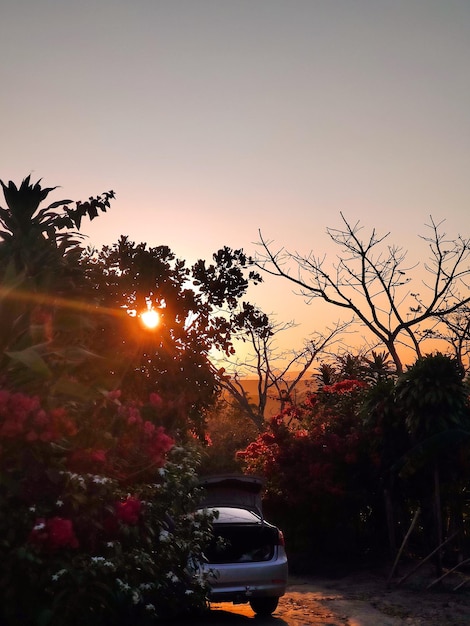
(150, 318)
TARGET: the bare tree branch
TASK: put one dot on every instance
(277, 375)
(371, 280)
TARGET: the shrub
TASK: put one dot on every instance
(97, 516)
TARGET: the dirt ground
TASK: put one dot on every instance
(365, 598)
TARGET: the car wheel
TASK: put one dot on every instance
(264, 606)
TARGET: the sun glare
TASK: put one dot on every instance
(150, 319)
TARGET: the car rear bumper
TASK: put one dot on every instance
(238, 583)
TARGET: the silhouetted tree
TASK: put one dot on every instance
(276, 375)
(374, 283)
(434, 402)
(197, 306)
(42, 285)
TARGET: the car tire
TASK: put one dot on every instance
(264, 606)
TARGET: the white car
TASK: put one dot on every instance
(246, 561)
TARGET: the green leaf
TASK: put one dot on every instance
(72, 389)
(32, 360)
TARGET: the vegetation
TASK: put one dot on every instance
(104, 425)
(97, 498)
(354, 462)
(197, 308)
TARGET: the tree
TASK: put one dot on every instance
(434, 402)
(373, 283)
(197, 307)
(454, 329)
(42, 243)
(41, 298)
(276, 375)
(228, 431)
(69, 306)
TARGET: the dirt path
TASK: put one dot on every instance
(361, 599)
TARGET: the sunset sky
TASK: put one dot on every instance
(212, 119)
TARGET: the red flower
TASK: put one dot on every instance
(128, 512)
(53, 533)
(86, 460)
(98, 455)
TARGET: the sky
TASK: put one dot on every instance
(213, 120)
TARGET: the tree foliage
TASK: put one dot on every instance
(42, 304)
(197, 307)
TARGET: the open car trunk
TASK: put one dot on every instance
(243, 538)
(242, 543)
(233, 490)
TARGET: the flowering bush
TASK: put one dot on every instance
(318, 464)
(96, 515)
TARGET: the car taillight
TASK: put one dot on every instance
(280, 538)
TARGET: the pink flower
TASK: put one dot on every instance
(160, 443)
(155, 399)
(149, 428)
(134, 416)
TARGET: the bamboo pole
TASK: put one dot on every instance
(410, 529)
(431, 554)
(447, 573)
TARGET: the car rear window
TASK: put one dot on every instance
(233, 515)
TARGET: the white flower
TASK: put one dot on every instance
(124, 586)
(39, 526)
(97, 559)
(59, 503)
(32, 509)
(135, 597)
(110, 544)
(188, 592)
(100, 480)
(58, 574)
(150, 607)
(164, 535)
